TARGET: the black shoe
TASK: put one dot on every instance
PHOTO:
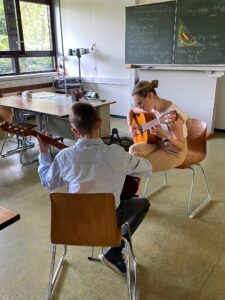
(116, 263)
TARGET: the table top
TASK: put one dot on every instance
(48, 103)
(7, 217)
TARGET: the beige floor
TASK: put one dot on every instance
(178, 258)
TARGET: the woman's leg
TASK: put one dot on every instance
(162, 160)
(142, 149)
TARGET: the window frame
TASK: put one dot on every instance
(15, 55)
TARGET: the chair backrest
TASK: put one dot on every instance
(84, 219)
(196, 138)
(6, 114)
(196, 142)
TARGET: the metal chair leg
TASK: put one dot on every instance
(129, 250)
(156, 189)
(13, 151)
(26, 145)
(193, 212)
(53, 276)
(22, 144)
(127, 259)
(92, 258)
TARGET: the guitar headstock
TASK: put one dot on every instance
(169, 117)
(19, 129)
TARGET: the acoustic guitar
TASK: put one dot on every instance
(28, 130)
(130, 185)
(144, 121)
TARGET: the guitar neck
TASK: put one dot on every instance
(49, 140)
(27, 129)
(148, 125)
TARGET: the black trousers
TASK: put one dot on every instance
(133, 212)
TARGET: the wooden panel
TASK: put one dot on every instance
(24, 88)
(7, 217)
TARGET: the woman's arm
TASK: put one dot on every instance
(176, 139)
(130, 117)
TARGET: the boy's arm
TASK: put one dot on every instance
(138, 167)
(49, 172)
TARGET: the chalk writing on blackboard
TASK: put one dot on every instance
(144, 25)
(182, 32)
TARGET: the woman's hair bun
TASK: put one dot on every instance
(155, 83)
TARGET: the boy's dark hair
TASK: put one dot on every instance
(83, 117)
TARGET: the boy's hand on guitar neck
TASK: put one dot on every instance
(44, 147)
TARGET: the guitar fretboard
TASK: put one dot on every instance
(148, 125)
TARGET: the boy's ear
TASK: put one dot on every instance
(75, 132)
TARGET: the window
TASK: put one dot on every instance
(26, 37)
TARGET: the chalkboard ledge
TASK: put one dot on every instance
(130, 66)
(209, 68)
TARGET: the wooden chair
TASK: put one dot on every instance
(22, 143)
(196, 142)
(7, 217)
(6, 114)
(86, 220)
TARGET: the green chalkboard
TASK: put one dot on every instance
(182, 32)
(150, 33)
(200, 32)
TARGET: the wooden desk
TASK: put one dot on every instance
(50, 105)
(7, 217)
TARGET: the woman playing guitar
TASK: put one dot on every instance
(169, 147)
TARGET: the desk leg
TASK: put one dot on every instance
(42, 121)
(104, 114)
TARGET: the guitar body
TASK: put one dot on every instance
(146, 137)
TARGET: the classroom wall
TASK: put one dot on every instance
(193, 91)
(100, 26)
(220, 104)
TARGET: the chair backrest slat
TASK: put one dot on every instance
(84, 219)
(196, 143)
(196, 138)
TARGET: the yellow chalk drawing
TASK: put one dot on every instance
(185, 38)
